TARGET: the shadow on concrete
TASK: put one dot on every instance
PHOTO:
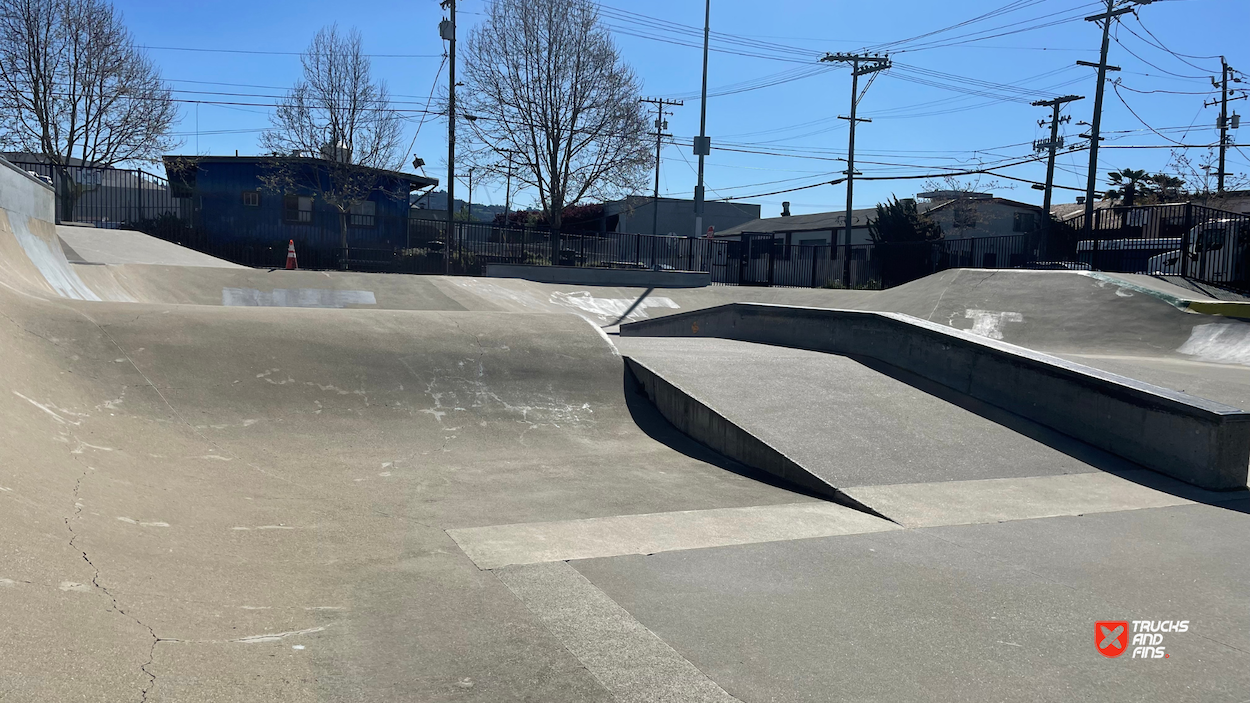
(633, 307)
(1104, 461)
(657, 427)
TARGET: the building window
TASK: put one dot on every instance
(297, 209)
(251, 198)
(364, 214)
(1024, 222)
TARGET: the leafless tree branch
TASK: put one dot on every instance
(76, 89)
(549, 90)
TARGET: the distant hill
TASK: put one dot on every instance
(438, 201)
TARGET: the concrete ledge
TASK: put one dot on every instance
(633, 278)
(1195, 440)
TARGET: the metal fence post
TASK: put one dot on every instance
(1185, 237)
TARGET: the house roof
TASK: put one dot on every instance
(412, 178)
(819, 221)
(815, 222)
(1231, 201)
(980, 201)
(825, 221)
(1067, 211)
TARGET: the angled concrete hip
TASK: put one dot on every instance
(1196, 440)
(588, 276)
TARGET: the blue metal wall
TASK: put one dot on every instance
(220, 213)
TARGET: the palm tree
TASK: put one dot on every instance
(1124, 184)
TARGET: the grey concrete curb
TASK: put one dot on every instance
(575, 275)
(1193, 439)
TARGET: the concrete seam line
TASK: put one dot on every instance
(982, 501)
(624, 656)
(497, 546)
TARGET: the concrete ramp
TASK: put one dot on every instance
(1190, 438)
(31, 258)
(881, 440)
(122, 246)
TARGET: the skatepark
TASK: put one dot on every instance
(233, 484)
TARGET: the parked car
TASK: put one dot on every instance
(1124, 255)
(1216, 252)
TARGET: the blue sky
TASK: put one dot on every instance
(785, 135)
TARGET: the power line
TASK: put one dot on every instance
(279, 53)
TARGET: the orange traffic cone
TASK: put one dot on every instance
(290, 257)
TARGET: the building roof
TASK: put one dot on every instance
(1067, 211)
(818, 221)
(825, 221)
(981, 200)
(412, 178)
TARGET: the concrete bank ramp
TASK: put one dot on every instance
(191, 491)
(1122, 324)
(1055, 311)
(1187, 437)
(883, 440)
(122, 246)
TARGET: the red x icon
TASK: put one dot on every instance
(1111, 637)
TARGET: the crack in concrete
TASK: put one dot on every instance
(95, 581)
(23, 328)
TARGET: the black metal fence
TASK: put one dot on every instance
(115, 198)
(1205, 244)
(1200, 243)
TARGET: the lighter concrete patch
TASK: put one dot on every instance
(296, 298)
(1003, 499)
(623, 655)
(531, 543)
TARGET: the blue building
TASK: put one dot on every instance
(234, 201)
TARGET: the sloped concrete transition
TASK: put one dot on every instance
(227, 484)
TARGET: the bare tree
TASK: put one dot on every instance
(545, 82)
(1196, 177)
(341, 117)
(75, 88)
(965, 196)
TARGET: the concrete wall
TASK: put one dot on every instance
(23, 194)
(30, 252)
(637, 278)
(677, 216)
(1192, 439)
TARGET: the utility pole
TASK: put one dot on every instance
(1224, 123)
(1095, 137)
(702, 143)
(507, 189)
(447, 29)
(1054, 144)
(861, 65)
(661, 124)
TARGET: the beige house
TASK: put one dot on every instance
(961, 215)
